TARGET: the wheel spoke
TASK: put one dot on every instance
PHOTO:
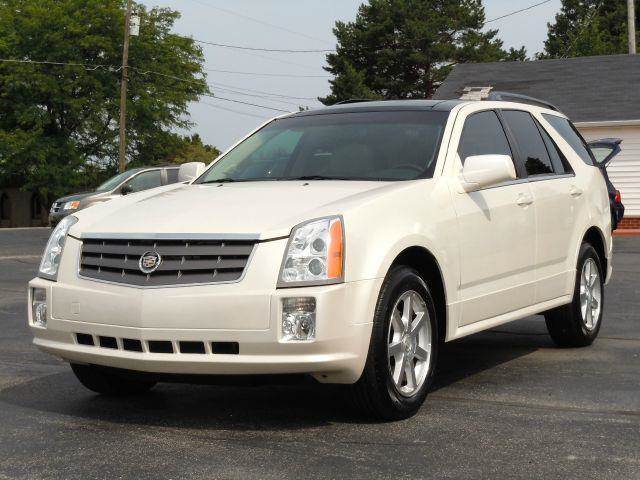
(396, 322)
(417, 324)
(410, 373)
(398, 370)
(395, 349)
(407, 312)
(421, 353)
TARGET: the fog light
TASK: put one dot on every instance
(298, 318)
(39, 307)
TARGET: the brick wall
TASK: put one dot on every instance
(630, 223)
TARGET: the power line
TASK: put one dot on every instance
(261, 22)
(246, 103)
(286, 75)
(86, 66)
(517, 11)
(272, 94)
(257, 49)
(143, 72)
(220, 107)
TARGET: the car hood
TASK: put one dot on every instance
(76, 196)
(265, 210)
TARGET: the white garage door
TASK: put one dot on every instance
(624, 170)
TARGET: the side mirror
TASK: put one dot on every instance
(189, 171)
(482, 171)
(126, 189)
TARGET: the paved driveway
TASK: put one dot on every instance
(507, 404)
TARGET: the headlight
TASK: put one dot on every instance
(53, 251)
(315, 254)
(72, 205)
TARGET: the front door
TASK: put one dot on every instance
(497, 231)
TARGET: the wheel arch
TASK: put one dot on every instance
(425, 262)
(594, 237)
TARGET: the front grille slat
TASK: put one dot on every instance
(183, 261)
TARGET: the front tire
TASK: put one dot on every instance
(403, 349)
(578, 323)
(107, 383)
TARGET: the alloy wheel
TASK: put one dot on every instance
(409, 343)
(590, 294)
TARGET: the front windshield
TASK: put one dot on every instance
(113, 182)
(390, 145)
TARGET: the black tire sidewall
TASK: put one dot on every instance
(399, 281)
(586, 252)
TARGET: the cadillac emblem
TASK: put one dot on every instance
(149, 262)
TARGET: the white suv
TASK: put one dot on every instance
(346, 243)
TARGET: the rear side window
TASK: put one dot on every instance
(172, 175)
(566, 129)
(559, 161)
(532, 148)
(483, 135)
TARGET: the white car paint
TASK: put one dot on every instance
(504, 252)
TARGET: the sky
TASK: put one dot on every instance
(299, 25)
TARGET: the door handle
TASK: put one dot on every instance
(575, 191)
(524, 200)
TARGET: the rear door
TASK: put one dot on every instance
(557, 197)
(497, 230)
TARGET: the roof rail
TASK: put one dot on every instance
(353, 100)
(516, 97)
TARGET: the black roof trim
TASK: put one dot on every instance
(518, 98)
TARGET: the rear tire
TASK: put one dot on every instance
(403, 349)
(578, 323)
(108, 383)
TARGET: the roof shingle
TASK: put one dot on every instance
(587, 89)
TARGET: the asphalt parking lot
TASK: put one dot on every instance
(507, 404)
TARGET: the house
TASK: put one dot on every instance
(600, 94)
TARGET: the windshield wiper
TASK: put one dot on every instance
(221, 180)
(318, 177)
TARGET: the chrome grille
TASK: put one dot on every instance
(183, 261)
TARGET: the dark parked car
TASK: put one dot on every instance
(604, 150)
(134, 180)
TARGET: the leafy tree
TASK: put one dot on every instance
(176, 149)
(56, 118)
(406, 48)
(588, 27)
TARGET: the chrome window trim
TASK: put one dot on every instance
(533, 179)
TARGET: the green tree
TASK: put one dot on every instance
(54, 119)
(588, 27)
(406, 48)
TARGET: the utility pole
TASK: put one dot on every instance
(123, 89)
(631, 14)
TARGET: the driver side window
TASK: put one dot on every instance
(145, 181)
(483, 135)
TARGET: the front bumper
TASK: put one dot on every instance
(248, 312)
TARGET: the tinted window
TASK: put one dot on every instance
(145, 181)
(172, 175)
(483, 135)
(571, 136)
(389, 145)
(600, 153)
(534, 153)
(560, 163)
